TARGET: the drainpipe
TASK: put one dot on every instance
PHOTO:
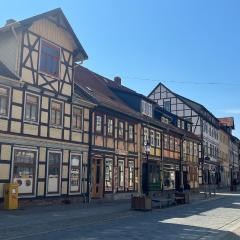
(89, 169)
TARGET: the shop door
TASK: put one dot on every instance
(97, 178)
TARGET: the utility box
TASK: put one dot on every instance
(10, 196)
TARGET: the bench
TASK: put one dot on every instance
(163, 202)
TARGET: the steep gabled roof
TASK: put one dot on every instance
(61, 19)
(199, 108)
(6, 72)
(96, 86)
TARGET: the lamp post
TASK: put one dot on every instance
(147, 151)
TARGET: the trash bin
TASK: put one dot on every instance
(10, 196)
(141, 203)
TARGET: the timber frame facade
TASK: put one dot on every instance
(44, 128)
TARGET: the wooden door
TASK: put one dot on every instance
(97, 178)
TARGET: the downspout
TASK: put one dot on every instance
(89, 169)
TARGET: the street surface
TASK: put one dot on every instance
(215, 218)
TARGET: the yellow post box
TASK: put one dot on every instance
(10, 196)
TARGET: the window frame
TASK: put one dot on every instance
(40, 56)
(133, 132)
(95, 123)
(8, 104)
(34, 193)
(38, 108)
(82, 126)
(132, 188)
(62, 113)
(110, 134)
(80, 168)
(152, 138)
(158, 140)
(112, 174)
(121, 188)
(123, 135)
(60, 174)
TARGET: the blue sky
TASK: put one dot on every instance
(193, 47)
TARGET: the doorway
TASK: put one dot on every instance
(97, 178)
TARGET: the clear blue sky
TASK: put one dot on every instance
(191, 46)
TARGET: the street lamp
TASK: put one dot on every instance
(147, 151)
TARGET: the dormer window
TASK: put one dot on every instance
(146, 108)
(49, 59)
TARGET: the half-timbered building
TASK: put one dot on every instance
(44, 126)
(115, 131)
(204, 124)
(173, 147)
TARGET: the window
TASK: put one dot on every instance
(169, 180)
(56, 113)
(152, 138)
(98, 123)
(158, 139)
(189, 127)
(77, 118)
(179, 123)
(24, 170)
(54, 172)
(110, 126)
(131, 175)
(167, 106)
(146, 108)
(145, 132)
(49, 58)
(166, 141)
(31, 108)
(120, 129)
(4, 101)
(75, 173)
(130, 132)
(165, 120)
(177, 144)
(172, 143)
(108, 174)
(121, 175)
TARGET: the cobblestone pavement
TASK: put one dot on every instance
(215, 218)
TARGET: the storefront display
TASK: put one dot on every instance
(75, 173)
(24, 170)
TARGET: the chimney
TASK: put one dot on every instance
(118, 80)
(10, 21)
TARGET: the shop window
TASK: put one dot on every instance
(130, 132)
(99, 124)
(75, 173)
(121, 129)
(54, 172)
(56, 113)
(110, 126)
(49, 58)
(77, 118)
(4, 101)
(108, 174)
(120, 175)
(24, 170)
(158, 139)
(152, 138)
(131, 175)
(169, 180)
(31, 108)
